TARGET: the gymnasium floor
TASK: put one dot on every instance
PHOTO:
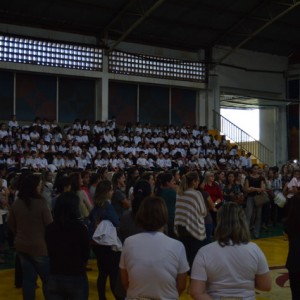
(273, 244)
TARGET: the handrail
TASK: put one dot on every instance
(243, 139)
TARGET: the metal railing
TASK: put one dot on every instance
(243, 139)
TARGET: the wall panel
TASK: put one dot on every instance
(6, 95)
(183, 107)
(76, 99)
(154, 104)
(122, 102)
(35, 96)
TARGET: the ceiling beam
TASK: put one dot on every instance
(238, 23)
(295, 4)
(136, 24)
(118, 16)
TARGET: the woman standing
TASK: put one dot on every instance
(292, 228)
(231, 267)
(213, 189)
(167, 191)
(128, 226)
(153, 265)
(254, 185)
(190, 211)
(85, 205)
(28, 218)
(107, 258)
(233, 191)
(119, 199)
(68, 249)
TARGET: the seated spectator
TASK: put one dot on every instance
(13, 122)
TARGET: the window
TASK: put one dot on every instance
(48, 53)
(151, 66)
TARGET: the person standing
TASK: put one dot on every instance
(292, 228)
(190, 211)
(128, 225)
(107, 257)
(28, 218)
(153, 265)
(167, 191)
(254, 185)
(68, 249)
(232, 267)
(119, 199)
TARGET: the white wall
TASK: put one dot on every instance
(256, 74)
(252, 71)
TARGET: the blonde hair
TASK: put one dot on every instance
(206, 176)
(232, 227)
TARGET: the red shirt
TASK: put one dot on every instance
(214, 191)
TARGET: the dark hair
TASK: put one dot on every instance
(62, 180)
(254, 166)
(232, 227)
(75, 181)
(66, 208)
(101, 192)
(230, 173)
(85, 172)
(165, 178)
(94, 178)
(152, 214)
(131, 180)
(175, 171)
(101, 171)
(141, 190)
(115, 178)
(28, 188)
(161, 181)
(146, 175)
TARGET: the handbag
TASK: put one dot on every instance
(279, 199)
(261, 199)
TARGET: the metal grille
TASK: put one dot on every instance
(47, 53)
(151, 66)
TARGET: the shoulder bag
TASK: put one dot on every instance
(261, 199)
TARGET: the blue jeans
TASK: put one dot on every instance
(31, 267)
(65, 287)
(253, 212)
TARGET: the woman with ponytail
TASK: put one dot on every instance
(189, 215)
(128, 226)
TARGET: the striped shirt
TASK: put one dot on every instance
(190, 213)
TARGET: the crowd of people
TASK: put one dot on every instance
(44, 145)
(126, 213)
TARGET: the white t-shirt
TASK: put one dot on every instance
(294, 182)
(229, 271)
(153, 261)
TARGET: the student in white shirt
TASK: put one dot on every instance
(13, 122)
